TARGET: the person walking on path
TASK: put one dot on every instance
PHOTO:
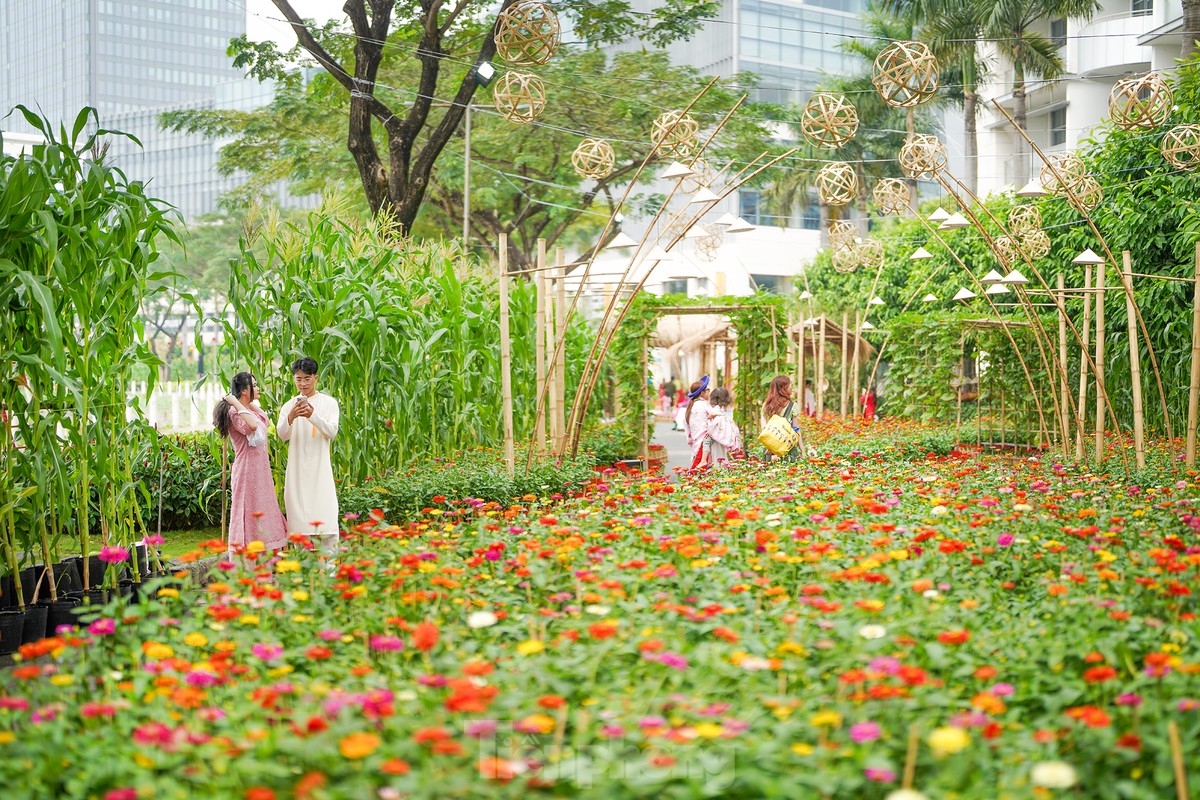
(695, 419)
(722, 439)
(779, 401)
(309, 423)
(254, 507)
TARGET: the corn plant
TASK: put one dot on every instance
(406, 335)
(77, 241)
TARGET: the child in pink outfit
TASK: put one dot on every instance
(722, 438)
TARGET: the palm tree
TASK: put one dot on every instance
(1009, 25)
(1191, 27)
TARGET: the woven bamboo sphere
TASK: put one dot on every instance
(1140, 103)
(844, 255)
(922, 156)
(891, 196)
(594, 158)
(905, 74)
(870, 254)
(674, 133)
(1069, 166)
(829, 120)
(701, 178)
(837, 183)
(841, 231)
(519, 97)
(707, 246)
(1181, 146)
(1006, 250)
(527, 33)
(1088, 194)
(1024, 219)
(1036, 244)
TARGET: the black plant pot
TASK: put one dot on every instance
(8, 597)
(30, 576)
(12, 624)
(35, 623)
(68, 575)
(96, 569)
(141, 559)
(61, 612)
(128, 588)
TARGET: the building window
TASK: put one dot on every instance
(768, 283)
(1058, 31)
(811, 221)
(1058, 127)
(1142, 8)
(749, 206)
(678, 286)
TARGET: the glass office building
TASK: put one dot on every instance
(131, 60)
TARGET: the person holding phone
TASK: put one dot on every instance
(254, 507)
(309, 423)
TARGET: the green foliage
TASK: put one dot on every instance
(77, 244)
(191, 482)
(477, 474)
(406, 336)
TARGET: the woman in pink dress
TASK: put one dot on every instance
(254, 513)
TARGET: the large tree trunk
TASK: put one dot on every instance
(1191, 27)
(1020, 115)
(914, 196)
(823, 211)
(970, 139)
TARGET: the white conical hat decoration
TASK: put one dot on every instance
(1032, 189)
(964, 294)
(867, 326)
(1087, 257)
(677, 170)
(705, 195)
(941, 215)
(929, 298)
(740, 226)
(998, 288)
(621, 241)
(920, 253)
(726, 219)
(1015, 278)
(875, 301)
(955, 220)
(806, 295)
(991, 278)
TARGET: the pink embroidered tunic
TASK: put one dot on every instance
(252, 487)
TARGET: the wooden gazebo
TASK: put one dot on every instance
(812, 336)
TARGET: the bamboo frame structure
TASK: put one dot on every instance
(1135, 363)
(551, 339)
(539, 339)
(506, 360)
(1098, 364)
(819, 384)
(845, 323)
(1194, 385)
(1064, 388)
(1081, 422)
(560, 353)
(858, 321)
(1075, 202)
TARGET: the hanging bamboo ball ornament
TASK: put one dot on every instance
(1036, 244)
(891, 196)
(1088, 194)
(841, 230)
(905, 74)
(527, 33)
(1006, 250)
(870, 254)
(1069, 167)
(844, 255)
(1024, 219)
(922, 156)
(701, 178)
(707, 246)
(837, 183)
(1140, 103)
(674, 134)
(829, 120)
(519, 97)
(1181, 146)
(594, 158)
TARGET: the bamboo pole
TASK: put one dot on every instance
(1064, 387)
(1099, 359)
(1135, 363)
(845, 360)
(643, 403)
(1181, 790)
(506, 397)
(560, 350)
(856, 396)
(1081, 416)
(548, 289)
(539, 337)
(820, 387)
(800, 391)
(1194, 386)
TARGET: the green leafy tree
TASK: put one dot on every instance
(395, 136)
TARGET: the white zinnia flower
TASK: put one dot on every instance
(482, 619)
(872, 631)
(906, 794)
(599, 611)
(1053, 775)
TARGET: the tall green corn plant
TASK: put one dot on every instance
(77, 241)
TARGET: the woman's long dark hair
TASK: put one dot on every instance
(241, 382)
(778, 396)
(693, 395)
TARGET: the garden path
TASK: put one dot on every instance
(678, 452)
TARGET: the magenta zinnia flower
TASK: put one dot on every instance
(386, 644)
(862, 732)
(103, 627)
(266, 651)
(113, 555)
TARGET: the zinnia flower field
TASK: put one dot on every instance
(871, 626)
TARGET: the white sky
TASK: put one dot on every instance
(264, 22)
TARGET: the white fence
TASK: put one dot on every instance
(177, 407)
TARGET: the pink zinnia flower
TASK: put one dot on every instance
(386, 644)
(153, 540)
(113, 555)
(1004, 539)
(879, 775)
(863, 732)
(481, 728)
(266, 652)
(103, 627)
(1129, 699)
(125, 793)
